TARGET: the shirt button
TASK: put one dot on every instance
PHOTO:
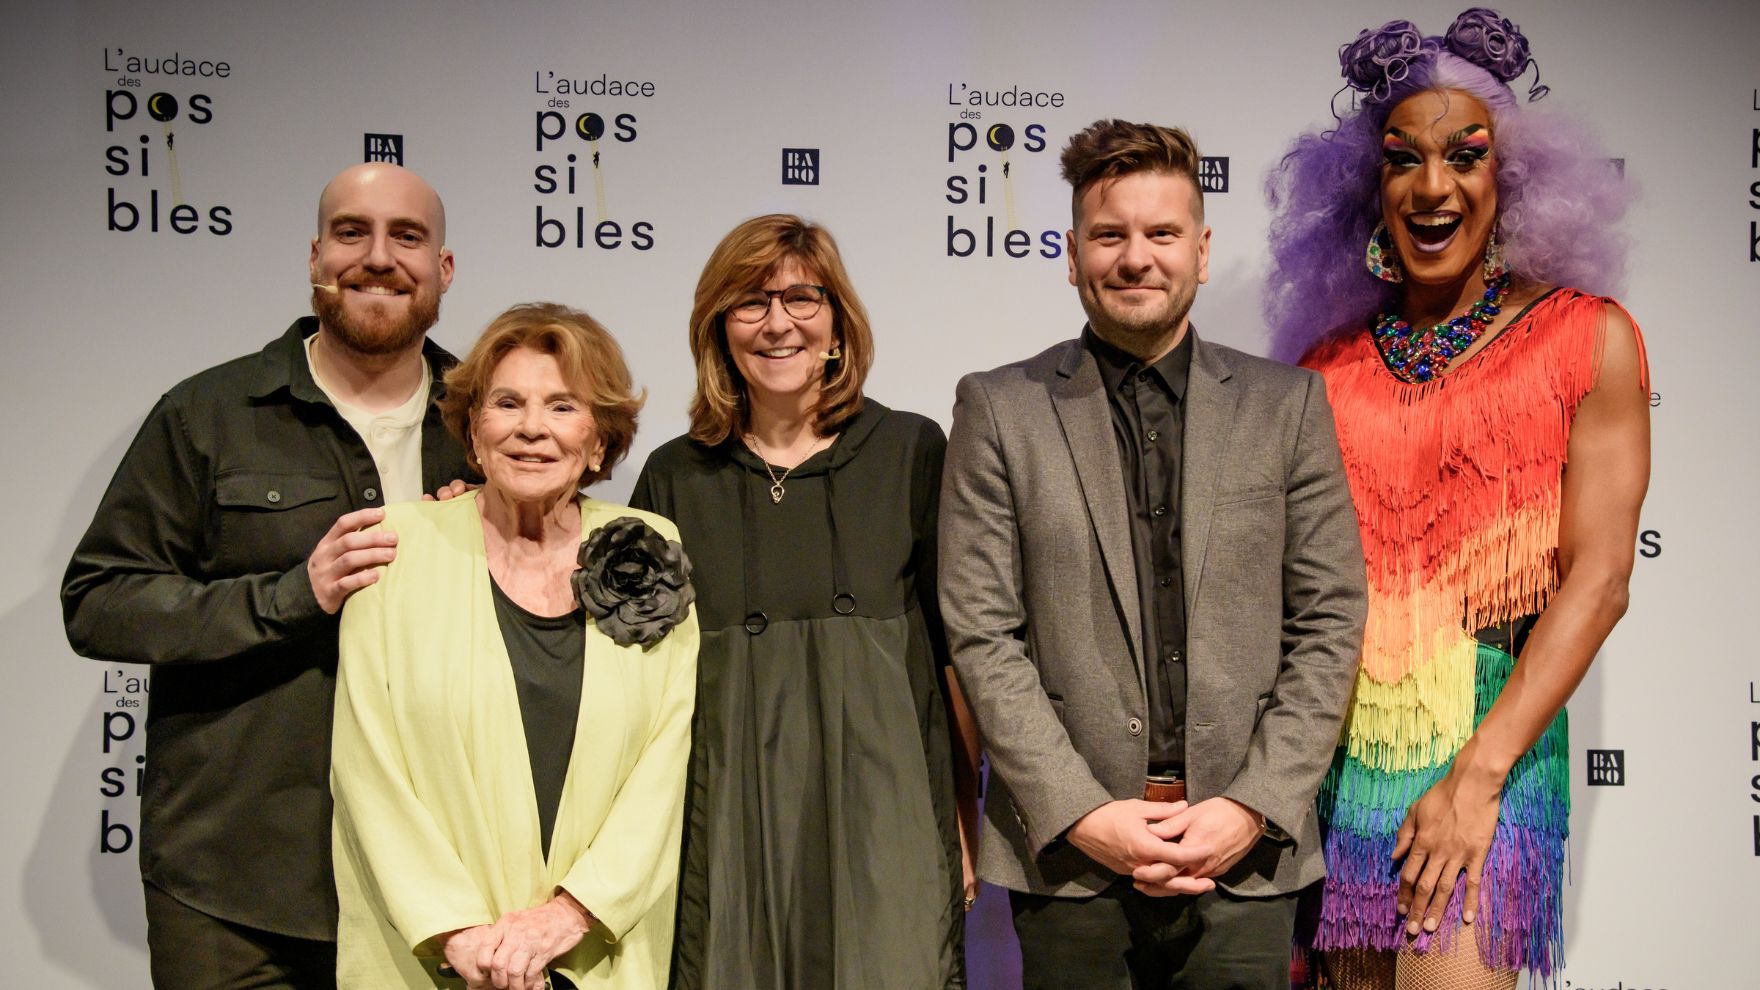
(1172, 656)
(1142, 376)
(273, 496)
(1134, 726)
(1166, 582)
(1161, 510)
(1154, 435)
(370, 494)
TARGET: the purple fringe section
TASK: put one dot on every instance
(1521, 914)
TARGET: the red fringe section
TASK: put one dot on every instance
(1457, 481)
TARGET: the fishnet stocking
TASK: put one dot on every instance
(1457, 968)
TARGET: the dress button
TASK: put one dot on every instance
(371, 494)
(273, 496)
(1134, 726)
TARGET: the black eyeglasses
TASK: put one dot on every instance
(799, 301)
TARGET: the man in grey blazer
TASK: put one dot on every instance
(1153, 588)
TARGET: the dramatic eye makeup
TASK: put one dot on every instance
(1397, 149)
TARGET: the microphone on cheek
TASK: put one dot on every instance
(327, 288)
(833, 354)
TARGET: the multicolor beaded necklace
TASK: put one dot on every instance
(1420, 355)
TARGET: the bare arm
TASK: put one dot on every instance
(1608, 470)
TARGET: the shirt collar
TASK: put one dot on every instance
(283, 365)
(1116, 366)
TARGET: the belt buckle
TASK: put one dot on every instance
(1168, 787)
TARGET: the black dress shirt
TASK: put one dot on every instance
(195, 562)
(1149, 425)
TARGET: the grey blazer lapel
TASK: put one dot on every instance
(1079, 397)
(1210, 403)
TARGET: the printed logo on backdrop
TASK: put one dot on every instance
(995, 134)
(1754, 189)
(1213, 175)
(1607, 768)
(1650, 544)
(383, 148)
(122, 728)
(1754, 760)
(800, 166)
(587, 127)
(156, 109)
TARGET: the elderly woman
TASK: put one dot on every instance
(1437, 257)
(821, 844)
(515, 693)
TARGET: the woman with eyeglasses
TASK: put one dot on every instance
(822, 845)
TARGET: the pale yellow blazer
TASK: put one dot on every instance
(436, 823)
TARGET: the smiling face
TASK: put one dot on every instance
(1138, 254)
(778, 356)
(1439, 185)
(380, 252)
(534, 436)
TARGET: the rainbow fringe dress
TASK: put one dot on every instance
(1457, 486)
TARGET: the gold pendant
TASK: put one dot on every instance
(775, 493)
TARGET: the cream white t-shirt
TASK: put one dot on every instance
(393, 437)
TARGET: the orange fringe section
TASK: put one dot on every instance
(1457, 484)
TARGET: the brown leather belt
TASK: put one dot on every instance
(1164, 787)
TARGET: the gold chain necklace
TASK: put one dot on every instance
(776, 489)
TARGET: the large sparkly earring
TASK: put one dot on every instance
(1494, 265)
(1380, 258)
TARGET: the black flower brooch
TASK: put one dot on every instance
(634, 582)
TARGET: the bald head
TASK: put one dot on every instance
(380, 263)
(387, 186)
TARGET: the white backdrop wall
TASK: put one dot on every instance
(98, 321)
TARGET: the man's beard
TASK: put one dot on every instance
(1139, 330)
(376, 332)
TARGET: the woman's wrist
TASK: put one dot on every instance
(1480, 765)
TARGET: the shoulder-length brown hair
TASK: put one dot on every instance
(745, 258)
(592, 365)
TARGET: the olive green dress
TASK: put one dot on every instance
(821, 848)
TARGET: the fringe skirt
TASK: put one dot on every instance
(1520, 917)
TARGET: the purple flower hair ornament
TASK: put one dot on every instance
(1379, 59)
(1493, 42)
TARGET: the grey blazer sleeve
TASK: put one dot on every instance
(983, 606)
(1325, 604)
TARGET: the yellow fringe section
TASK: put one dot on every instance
(1422, 719)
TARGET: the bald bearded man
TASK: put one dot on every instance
(221, 554)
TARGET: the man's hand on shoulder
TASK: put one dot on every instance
(1120, 836)
(451, 490)
(343, 561)
(1214, 834)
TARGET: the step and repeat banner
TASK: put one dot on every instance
(161, 174)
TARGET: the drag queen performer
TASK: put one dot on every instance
(1438, 257)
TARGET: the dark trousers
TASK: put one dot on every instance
(191, 950)
(1124, 940)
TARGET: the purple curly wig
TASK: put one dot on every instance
(1559, 199)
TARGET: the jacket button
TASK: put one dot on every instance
(370, 494)
(273, 496)
(1134, 726)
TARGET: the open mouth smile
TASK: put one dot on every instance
(1432, 232)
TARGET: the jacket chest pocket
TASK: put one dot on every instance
(270, 521)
